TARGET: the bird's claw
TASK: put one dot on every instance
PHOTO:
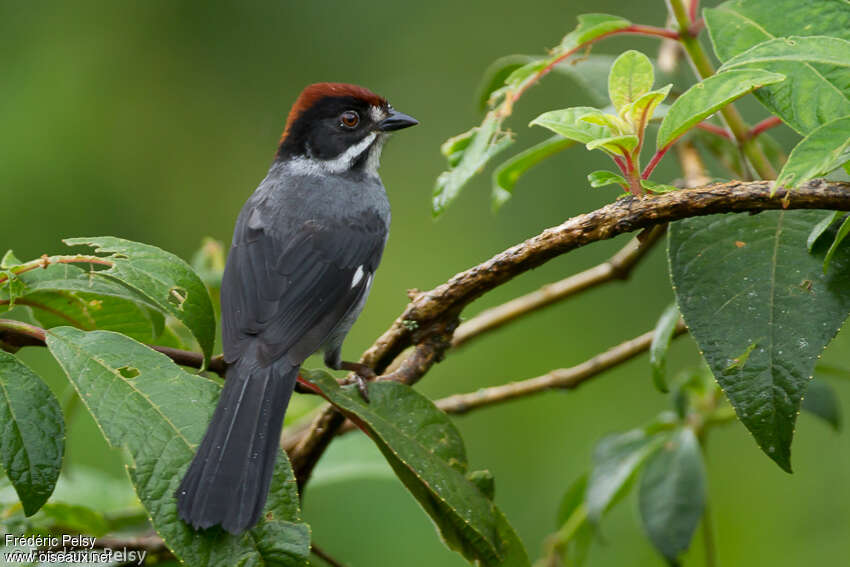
(362, 387)
(362, 375)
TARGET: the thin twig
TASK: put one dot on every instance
(324, 556)
(618, 267)
(16, 334)
(193, 359)
(46, 260)
(562, 378)
(149, 542)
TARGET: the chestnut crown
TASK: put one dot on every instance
(329, 120)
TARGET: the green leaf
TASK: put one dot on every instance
(630, 78)
(822, 401)
(468, 154)
(618, 145)
(426, 452)
(569, 124)
(836, 242)
(640, 112)
(572, 500)
(522, 74)
(654, 187)
(616, 460)
(484, 481)
(575, 533)
(64, 294)
(671, 495)
(813, 93)
(591, 26)
(161, 279)
(454, 147)
(821, 227)
(175, 408)
(824, 149)
(707, 97)
(813, 49)
(660, 344)
(495, 75)
(9, 261)
(32, 433)
(614, 123)
(761, 311)
(602, 178)
(691, 385)
(506, 175)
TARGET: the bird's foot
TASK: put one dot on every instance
(362, 374)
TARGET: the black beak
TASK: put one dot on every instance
(396, 121)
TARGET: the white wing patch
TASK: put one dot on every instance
(358, 275)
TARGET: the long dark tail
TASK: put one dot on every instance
(228, 480)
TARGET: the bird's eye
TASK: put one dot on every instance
(349, 119)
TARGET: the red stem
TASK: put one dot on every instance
(765, 124)
(654, 161)
(630, 164)
(621, 164)
(650, 30)
(695, 28)
(633, 29)
(714, 129)
(693, 11)
(632, 174)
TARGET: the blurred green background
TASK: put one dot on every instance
(155, 120)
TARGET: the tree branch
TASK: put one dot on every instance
(565, 378)
(16, 334)
(431, 313)
(627, 214)
(562, 378)
(618, 267)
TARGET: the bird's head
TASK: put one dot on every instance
(336, 128)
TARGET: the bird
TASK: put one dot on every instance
(305, 249)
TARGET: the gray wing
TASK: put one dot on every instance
(288, 286)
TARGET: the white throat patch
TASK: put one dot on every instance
(309, 165)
